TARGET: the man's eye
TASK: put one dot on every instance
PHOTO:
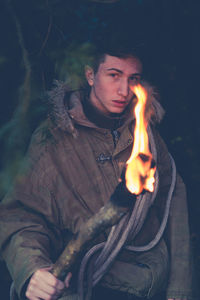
(135, 79)
(114, 75)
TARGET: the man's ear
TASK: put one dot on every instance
(89, 74)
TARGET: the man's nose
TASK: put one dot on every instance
(123, 89)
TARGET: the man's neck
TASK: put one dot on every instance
(112, 121)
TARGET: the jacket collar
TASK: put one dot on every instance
(67, 109)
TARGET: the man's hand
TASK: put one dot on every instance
(43, 285)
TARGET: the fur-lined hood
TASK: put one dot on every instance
(66, 108)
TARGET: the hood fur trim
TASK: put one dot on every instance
(154, 110)
(59, 110)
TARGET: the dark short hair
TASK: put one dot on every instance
(100, 58)
(122, 47)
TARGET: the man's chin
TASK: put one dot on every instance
(116, 112)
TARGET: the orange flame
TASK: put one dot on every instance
(140, 169)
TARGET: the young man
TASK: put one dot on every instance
(72, 168)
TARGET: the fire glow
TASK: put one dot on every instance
(140, 167)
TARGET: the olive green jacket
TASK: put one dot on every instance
(71, 169)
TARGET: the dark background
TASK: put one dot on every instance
(37, 40)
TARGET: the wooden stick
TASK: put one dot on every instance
(107, 216)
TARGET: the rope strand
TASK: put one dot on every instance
(126, 229)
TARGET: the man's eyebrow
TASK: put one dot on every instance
(136, 74)
(119, 71)
(114, 69)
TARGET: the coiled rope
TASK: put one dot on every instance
(125, 230)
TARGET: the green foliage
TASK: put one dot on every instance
(71, 61)
(2, 60)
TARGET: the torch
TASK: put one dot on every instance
(137, 176)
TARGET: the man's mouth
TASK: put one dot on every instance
(119, 103)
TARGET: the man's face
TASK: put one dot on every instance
(110, 85)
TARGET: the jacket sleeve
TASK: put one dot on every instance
(29, 222)
(181, 271)
(177, 232)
